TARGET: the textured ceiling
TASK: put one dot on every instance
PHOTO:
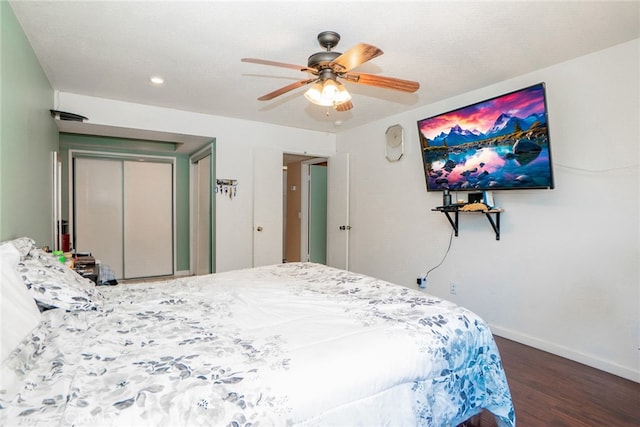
(110, 49)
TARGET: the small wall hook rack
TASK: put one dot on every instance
(227, 187)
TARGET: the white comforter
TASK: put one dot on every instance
(292, 344)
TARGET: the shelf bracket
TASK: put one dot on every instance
(494, 224)
(453, 222)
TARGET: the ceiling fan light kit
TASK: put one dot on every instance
(327, 66)
(329, 93)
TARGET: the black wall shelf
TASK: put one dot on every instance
(493, 216)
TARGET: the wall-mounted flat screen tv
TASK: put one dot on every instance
(501, 143)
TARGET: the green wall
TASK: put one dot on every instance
(28, 136)
(128, 146)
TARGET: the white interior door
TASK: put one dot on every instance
(98, 210)
(267, 207)
(203, 216)
(338, 228)
(148, 219)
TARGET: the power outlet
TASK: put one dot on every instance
(422, 282)
(453, 288)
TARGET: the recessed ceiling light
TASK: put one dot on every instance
(157, 80)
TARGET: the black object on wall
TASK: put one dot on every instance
(63, 115)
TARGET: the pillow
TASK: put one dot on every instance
(66, 274)
(19, 314)
(24, 245)
(54, 285)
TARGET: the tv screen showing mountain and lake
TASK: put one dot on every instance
(501, 143)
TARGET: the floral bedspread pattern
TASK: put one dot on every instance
(290, 344)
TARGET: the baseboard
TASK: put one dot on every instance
(183, 273)
(566, 352)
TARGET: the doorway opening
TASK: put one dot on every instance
(304, 209)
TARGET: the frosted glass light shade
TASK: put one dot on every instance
(327, 93)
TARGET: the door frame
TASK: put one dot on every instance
(208, 150)
(338, 175)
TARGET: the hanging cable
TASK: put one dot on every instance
(443, 258)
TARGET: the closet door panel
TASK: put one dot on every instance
(148, 219)
(98, 210)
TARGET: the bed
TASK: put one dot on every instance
(290, 344)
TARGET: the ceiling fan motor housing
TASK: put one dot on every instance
(321, 60)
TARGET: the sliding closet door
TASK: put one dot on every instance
(98, 210)
(148, 219)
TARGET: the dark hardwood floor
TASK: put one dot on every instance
(549, 390)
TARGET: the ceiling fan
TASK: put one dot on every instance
(327, 66)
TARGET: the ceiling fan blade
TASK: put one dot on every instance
(279, 64)
(381, 81)
(286, 89)
(355, 56)
(345, 106)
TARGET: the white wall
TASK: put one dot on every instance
(565, 275)
(235, 143)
